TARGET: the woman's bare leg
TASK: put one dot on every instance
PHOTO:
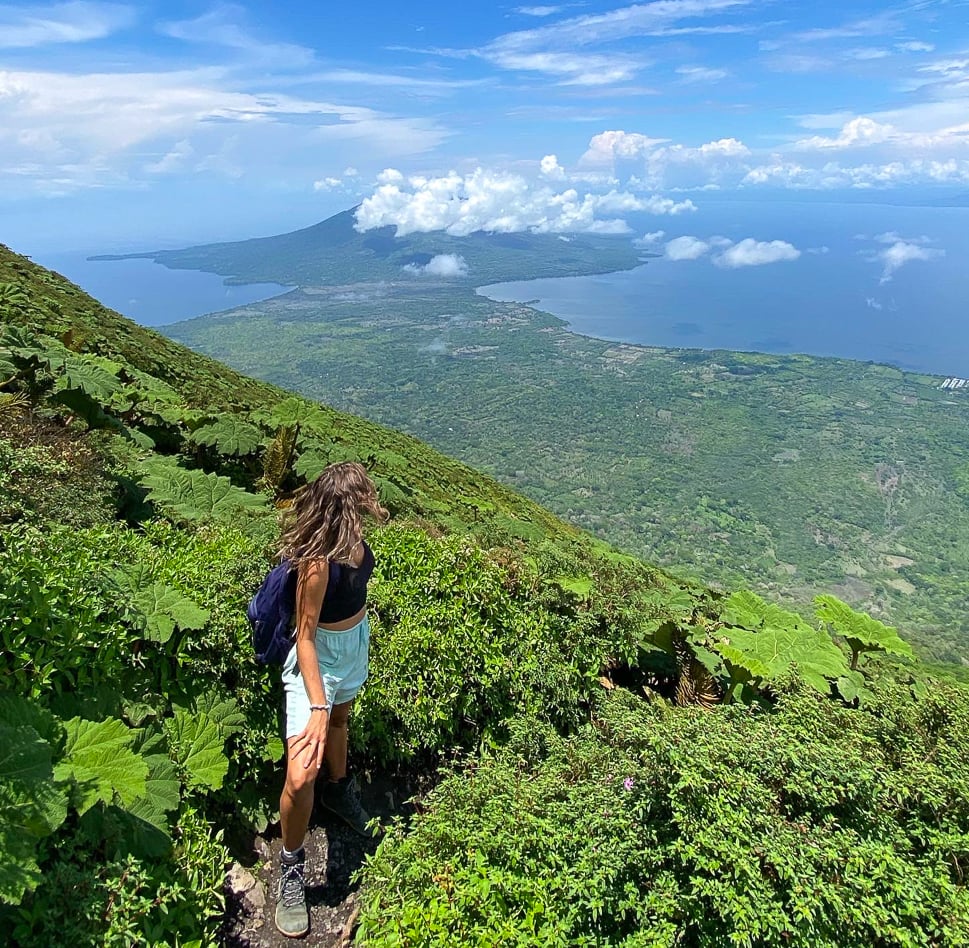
(296, 801)
(335, 753)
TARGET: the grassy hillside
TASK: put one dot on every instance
(415, 479)
(332, 252)
(586, 797)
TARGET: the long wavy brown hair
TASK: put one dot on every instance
(325, 521)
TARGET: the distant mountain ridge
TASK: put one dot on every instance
(334, 252)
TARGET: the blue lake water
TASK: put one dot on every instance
(151, 294)
(834, 299)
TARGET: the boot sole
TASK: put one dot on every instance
(299, 934)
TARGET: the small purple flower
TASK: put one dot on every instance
(628, 783)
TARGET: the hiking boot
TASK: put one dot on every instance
(341, 798)
(292, 916)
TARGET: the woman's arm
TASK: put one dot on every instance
(310, 590)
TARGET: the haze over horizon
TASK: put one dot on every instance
(129, 125)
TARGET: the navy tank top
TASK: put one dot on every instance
(346, 588)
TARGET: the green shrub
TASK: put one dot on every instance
(461, 644)
(120, 900)
(811, 825)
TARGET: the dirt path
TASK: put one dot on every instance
(333, 854)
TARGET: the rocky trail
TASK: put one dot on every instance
(334, 853)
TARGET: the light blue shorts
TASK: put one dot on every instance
(344, 662)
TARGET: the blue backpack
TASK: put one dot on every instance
(271, 611)
(271, 615)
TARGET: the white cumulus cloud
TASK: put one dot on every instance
(606, 147)
(656, 163)
(755, 253)
(686, 248)
(745, 253)
(551, 168)
(498, 202)
(443, 265)
(901, 252)
(650, 239)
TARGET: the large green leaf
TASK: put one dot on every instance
(298, 411)
(771, 651)
(23, 344)
(229, 435)
(88, 374)
(199, 748)
(99, 763)
(7, 368)
(193, 495)
(748, 610)
(17, 711)
(162, 794)
(224, 711)
(860, 630)
(161, 607)
(25, 756)
(19, 871)
(309, 465)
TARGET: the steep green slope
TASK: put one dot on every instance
(334, 252)
(419, 480)
(139, 739)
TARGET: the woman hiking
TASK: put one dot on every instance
(327, 665)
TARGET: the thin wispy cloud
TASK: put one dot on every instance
(898, 251)
(223, 26)
(539, 11)
(700, 74)
(96, 129)
(440, 86)
(915, 46)
(557, 48)
(876, 25)
(74, 22)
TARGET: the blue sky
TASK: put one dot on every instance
(148, 125)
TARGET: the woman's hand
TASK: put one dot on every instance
(311, 741)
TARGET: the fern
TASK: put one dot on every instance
(230, 435)
(860, 630)
(12, 403)
(194, 495)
